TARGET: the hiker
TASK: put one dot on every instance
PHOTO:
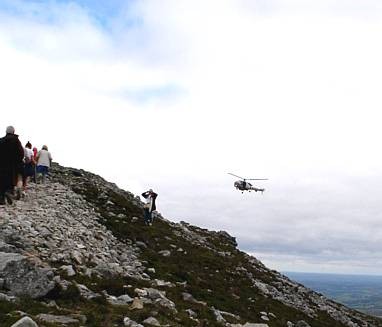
(149, 206)
(11, 164)
(35, 152)
(44, 161)
(29, 164)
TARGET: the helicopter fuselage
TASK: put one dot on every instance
(245, 186)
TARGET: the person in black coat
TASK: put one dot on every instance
(11, 163)
(150, 197)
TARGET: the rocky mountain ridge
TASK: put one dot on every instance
(75, 252)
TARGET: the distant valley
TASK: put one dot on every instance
(360, 292)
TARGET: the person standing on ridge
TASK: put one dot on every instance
(29, 162)
(11, 164)
(149, 206)
(35, 152)
(44, 161)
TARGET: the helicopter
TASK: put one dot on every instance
(243, 185)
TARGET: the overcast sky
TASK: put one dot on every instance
(173, 94)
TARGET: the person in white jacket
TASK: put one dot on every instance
(44, 161)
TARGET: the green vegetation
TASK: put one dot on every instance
(202, 263)
(209, 277)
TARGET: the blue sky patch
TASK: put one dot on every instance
(102, 12)
(162, 93)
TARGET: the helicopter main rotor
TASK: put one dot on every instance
(249, 179)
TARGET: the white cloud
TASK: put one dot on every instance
(285, 90)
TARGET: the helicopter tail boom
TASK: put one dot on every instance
(257, 189)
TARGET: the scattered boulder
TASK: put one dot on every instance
(165, 253)
(86, 293)
(68, 270)
(189, 298)
(141, 244)
(5, 297)
(151, 321)
(218, 316)
(25, 322)
(159, 297)
(120, 300)
(162, 283)
(22, 276)
(130, 323)
(191, 313)
(53, 319)
(140, 292)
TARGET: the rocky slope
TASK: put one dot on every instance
(75, 252)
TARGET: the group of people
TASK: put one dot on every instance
(19, 165)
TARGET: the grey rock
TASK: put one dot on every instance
(53, 319)
(161, 283)
(86, 293)
(71, 235)
(141, 244)
(159, 297)
(125, 298)
(151, 321)
(23, 277)
(68, 270)
(76, 256)
(165, 253)
(108, 270)
(218, 316)
(302, 323)
(8, 248)
(141, 292)
(64, 284)
(25, 322)
(188, 297)
(166, 303)
(154, 294)
(191, 313)
(80, 317)
(130, 323)
(5, 297)
(51, 304)
(120, 300)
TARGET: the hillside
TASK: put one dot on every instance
(75, 252)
